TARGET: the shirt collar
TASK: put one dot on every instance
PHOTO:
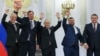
(95, 24)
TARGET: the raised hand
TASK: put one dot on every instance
(6, 11)
(58, 15)
(86, 46)
(81, 44)
(41, 15)
(37, 47)
(68, 13)
(25, 13)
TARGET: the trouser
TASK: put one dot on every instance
(49, 51)
(13, 50)
(90, 52)
(71, 51)
(27, 48)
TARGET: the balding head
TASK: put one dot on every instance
(13, 17)
(71, 21)
(47, 23)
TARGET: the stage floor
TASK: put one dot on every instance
(38, 53)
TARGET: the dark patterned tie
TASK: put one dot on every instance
(15, 27)
(31, 25)
(94, 28)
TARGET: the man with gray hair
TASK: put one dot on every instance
(47, 39)
(12, 29)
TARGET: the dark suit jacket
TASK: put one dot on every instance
(12, 34)
(70, 37)
(46, 38)
(26, 30)
(92, 37)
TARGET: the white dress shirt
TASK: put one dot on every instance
(49, 31)
(94, 26)
(15, 27)
(75, 29)
(32, 26)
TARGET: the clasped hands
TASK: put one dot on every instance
(85, 45)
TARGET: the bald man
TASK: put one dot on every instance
(12, 29)
(47, 39)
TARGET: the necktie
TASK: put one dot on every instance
(49, 31)
(94, 28)
(28, 38)
(15, 30)
(31, 25)
(15, 27)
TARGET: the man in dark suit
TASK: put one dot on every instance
(72, 35)
(47, 37)
(27, 40)
(12, 28)
(92, 36)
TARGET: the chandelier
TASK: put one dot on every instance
(67, 5)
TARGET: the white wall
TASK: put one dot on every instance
(95, 7)
(92, 7)
(1, 9)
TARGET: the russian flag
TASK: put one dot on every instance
(3, 36)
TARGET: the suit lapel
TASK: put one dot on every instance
(91, 27)
(73, 29)
(34, 23)
(78, 29)
(97, 27)
(47, 31)
(13, 26)
(50, 31)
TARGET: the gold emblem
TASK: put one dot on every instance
(22, 3)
